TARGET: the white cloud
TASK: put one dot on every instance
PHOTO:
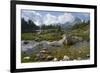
(38, 14)
(33, 15)
(66, 17)
(37, 23)
(49, 19)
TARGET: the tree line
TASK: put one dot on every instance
(30, 26)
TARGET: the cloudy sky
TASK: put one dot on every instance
(52, 17)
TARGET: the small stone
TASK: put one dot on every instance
(55, 59)
(88, 55)
(49, 57)
(80, 52)
(43, 51)
(79, 58)
(27, 57)
(65, 58)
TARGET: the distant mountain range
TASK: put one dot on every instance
(68, 25)
(29, 26)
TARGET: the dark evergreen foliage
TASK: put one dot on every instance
(28, 26)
